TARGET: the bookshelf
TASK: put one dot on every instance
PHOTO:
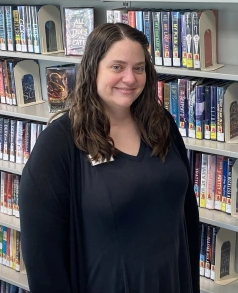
(229, 72)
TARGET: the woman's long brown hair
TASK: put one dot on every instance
(90, 124)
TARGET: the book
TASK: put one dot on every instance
(203, 238)
(157, 37)
(219, 182)
(189, 39)
(35, 29)
(29, 27)
(176, 37)
(16, 25)
(60, 84)
(203, 186)
(166, 38)
(148, 30)
(3, 30)
(183, 106)
(10, 28)
(196, 40)
(23, 27)
(79, 23)
(211, 171)
(197, 176)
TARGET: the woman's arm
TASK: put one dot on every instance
(44, 208)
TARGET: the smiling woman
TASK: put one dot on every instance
(113, 194)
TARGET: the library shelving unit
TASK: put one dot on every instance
(228, 42)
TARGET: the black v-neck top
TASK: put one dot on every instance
(127, 226)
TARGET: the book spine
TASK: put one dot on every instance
(219, 183)
(11, 248)
(196, 40)
(14, 249)
(166, 38)
(16, 24)
(191, 94)
(5, 193)
(17, 183)
(131, 18)
(2, 86)
(1, 240)
(160, 86)
(33, 135)
(1, 137)
(3, 35)
(19, 142)
(13, 125)
(35, 29)
(213, 113)
(27, 142)
(4, 246)
(125, 18)
(220, 112)
(6, 131)
(167, 96)
(139, 21)
(174, 101)
(157, 38)
(6, 82)
(11, 46)
(18, 251)
(200, 93)
(23, 28)
(210, 200)
(29, 27)
(147, 15)
(183, 41)
(189, 45)
(110, 16)
(9, 81)
(231, 162)
(3, 174)
(203, 238)
(197, 176)
(176, 38)
(183, 107)
(203, 188)
(9, 193)
(12, 82)
(208, 252)
(117, 16)
(207, 113)
(224, 184)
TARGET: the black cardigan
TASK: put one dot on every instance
(48, 200)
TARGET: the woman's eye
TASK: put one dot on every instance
(116, 67)
(140, 69)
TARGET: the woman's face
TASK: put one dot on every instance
(121, 74)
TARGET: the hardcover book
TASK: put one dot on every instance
(60, 84)
(79, 23)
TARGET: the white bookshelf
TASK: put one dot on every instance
(208, 286)
(11, 276)
(10, 221)
(11, 167)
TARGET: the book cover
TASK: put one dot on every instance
(208, 252)
(183, 41)
(207, 113)
(230, 164)
(79, 23)
(213, 113)
(191, 95)
(60, 84)
(11, 46)
(2, 85)
(110, 16)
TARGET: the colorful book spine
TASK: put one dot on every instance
(191, 94)
(203, 187)
(14, 249)
(23, 27)
(197, 176)
(19, 142)
(213, 260)
(16, 24)
(199, 106)
(10, 28)
(3, 174)
(11, 249)
(220, 113)
(203, 232)
(3, 30)
(148, 30)
(213, 113)
(1, 138)
(27, 142)
(211, 170)
(2, 86)
(224, 184)
(18, 251)
(208, 252)
(6, 127)
(183, 107)
(167, 38)
(139, 21)
(174, 111)
(5, 193)
(183, 41)
(231, 162)
(176, 38)
(35, 29)
(219, 182)
(4, 246)
(12, 148)
(9, 193)
(1, 240)
(196, 40)
(11, 65)
(157, 37)
(16, 200)
(207, 113)
(131, 18)
(189, 40)
(110, 16)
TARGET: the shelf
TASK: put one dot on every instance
(180, 1)
(228, 72)
(11, 167)
(59, 57)
(219, 219)
(10, 221)
(11, 276)
(208, 286)
(38, 112)
(212, 147)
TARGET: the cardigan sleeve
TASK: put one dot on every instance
(44, 208)
(190, 210)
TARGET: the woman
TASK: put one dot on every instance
(106, 199)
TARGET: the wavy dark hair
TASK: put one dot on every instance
(90, 123)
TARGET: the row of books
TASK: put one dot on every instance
(9, 288)
(207, 251)
(212, 179)
(10, 244)
(197, 106)
(17, 138)
(9, 193)
(174, 35)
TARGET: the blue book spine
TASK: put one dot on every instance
(139, 21)
(224, 185)
(176, 38)
(4, 246)
(203, 232)
(200, 95)
(173, 95)
(13, 289)
(213, 113)
(147, 16)
(167, 38)
(11, 46)
(207, 113)
(183, 41)
(3, 35)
